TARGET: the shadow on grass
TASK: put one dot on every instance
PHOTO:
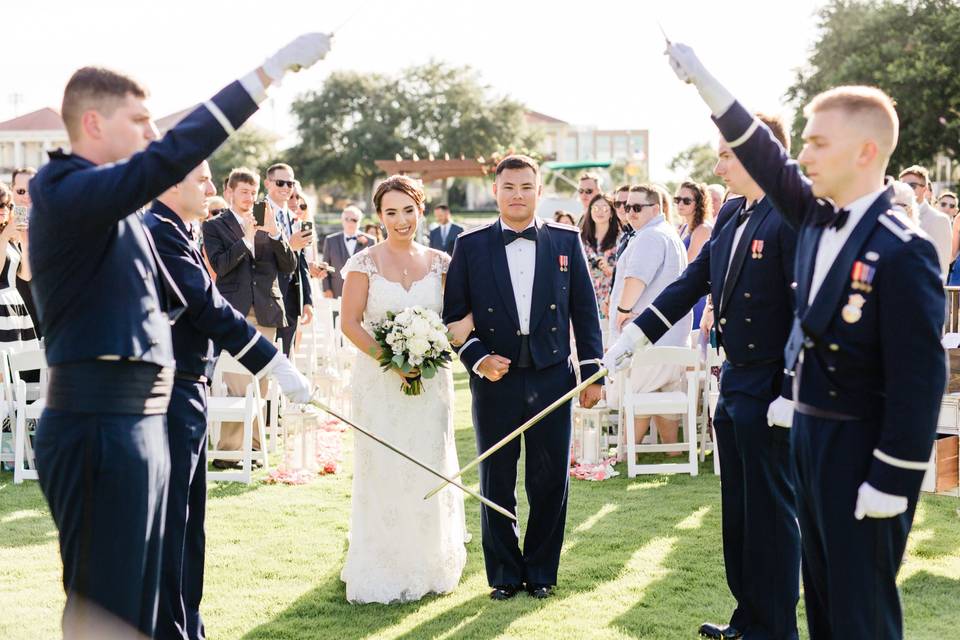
(930, 603)
(599, 544)
(938, 529)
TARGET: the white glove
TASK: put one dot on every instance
(618, 356)
(688, 68)
(293, 383)
(303, 52)
(877, 504)
(780, 413)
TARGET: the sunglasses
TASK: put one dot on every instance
(948, 205)
(7, 205)
(21, 192)
(684, 200)
(915, 185)
(284, 183)
(588, 192)
(620, 204)
(637, 208)
(351, 219)
(303, 207)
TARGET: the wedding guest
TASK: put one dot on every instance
(934, 222)
(374, 231)
(588, 187)
(564, 217)
(19, 184)
(444, 235)
(600, 232)
(695, 210)
(19, 333)
(654, 259)
(904, 199)
(948, 203)
(619, 201)
(717, 194)
(338, 247)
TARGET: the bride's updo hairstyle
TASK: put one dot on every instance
(403, 184)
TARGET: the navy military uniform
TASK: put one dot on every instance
(479, 281)
(870, 374)
(754, 312)
(105, 305)
(208, 320)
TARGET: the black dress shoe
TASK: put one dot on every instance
(719, 631)
(504, 592)
(225, 464)
(539, 591)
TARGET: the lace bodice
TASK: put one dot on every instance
(385, 295)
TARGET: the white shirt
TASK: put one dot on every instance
(522, 263)
(351, 244)
(243, 225)
(444, 231)
(832, 241)
(736, 240)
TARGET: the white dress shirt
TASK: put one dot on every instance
(243, 225)
(736, 241)
(522, 263)
(351, 244)
(444, 231)
(832, 240)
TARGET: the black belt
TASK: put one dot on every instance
(756, 363)
(189, 377)
(814, 412)
(110, 386)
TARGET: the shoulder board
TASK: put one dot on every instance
(899, 225)
(167, 220)
(479, 227)
(561, 225)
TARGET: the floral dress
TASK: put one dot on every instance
(602, 284)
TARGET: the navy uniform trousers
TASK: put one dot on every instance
(760, 535)
(116, 467)
(184, 538)
(499, 408)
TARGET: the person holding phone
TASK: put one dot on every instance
(17, 333)
(19, 183)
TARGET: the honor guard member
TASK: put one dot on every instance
(747, 267)
(870, 369)
(207, 321)
(105, 303)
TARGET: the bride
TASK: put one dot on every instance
(401, 546)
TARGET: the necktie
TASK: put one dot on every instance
(443, 235)
(530, 233)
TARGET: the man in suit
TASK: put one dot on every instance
(105, 304)
(865, 344)
(208, 320)
(444, 235)
(747, 266)
(295, 288)
(935, 223)
(526, 282)
(248, 260)
(338, 247)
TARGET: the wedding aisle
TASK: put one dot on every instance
(641, 560)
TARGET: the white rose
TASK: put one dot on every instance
(418, 347)
(420, 328)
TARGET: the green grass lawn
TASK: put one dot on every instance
(642, 559)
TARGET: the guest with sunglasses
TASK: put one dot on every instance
(619, 201)
(696, 210)
(338, 247)
(948, 203)
(936, 224)
(588, 188)
(599, 235)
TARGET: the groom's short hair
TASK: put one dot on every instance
(517, 161)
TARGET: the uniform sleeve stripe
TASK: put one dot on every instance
(596, 361)
(746, 136)
(253, 341)
(467, 344)
(662, 317)
(222, 119)
(897, 462)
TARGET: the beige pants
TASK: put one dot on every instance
(231, 433)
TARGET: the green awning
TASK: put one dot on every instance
(589, 164)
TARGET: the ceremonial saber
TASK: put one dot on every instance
(526, 425)
(493, 505)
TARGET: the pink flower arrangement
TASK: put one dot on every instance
(328, 449)
(595, 472)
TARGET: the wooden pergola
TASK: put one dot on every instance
(431, 170)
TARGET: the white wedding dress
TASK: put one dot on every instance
(402, 547)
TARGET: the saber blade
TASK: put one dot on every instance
(493, 505)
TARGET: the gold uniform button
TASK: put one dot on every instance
(491, 329)
(793, 285)
(553, 328)
(833, 394)
(831, 369)
(749, 320)
(834, 346)
(518, 332)
(750, 346)
(723, 321)
(746, 295)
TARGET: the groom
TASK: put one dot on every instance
(526, 282)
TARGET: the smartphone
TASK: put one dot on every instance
(21, 216)
(306, 225)
(260, 212)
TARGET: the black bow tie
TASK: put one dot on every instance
(530, 233)
(350, 237)
(743, 215)
(835, 219)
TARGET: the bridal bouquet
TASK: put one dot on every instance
(413, 340)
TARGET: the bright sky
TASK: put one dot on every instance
(595, 63)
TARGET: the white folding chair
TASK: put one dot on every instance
(682, 403)
(29, 402)
(711, 395)
(250, 409)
